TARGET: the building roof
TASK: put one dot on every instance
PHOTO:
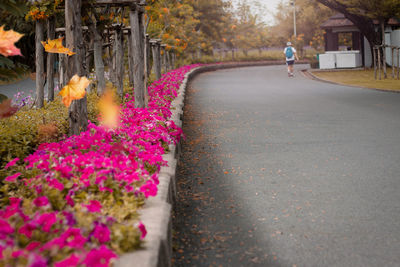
(339, 20)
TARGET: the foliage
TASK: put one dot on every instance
(309, 16)
(43, 9)
(75, 201)
(21, 134)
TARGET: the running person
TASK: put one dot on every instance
(291, 55)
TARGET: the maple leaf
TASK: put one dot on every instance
(74, 90)
(7, 41)
(56, 46)
(109, 110)
(6, 109)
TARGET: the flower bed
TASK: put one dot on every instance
(75, 202)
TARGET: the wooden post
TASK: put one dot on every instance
(39, 31)
(98, 57)
(379, 63)
(164, 58)
(168, 59)
(155, 47)
(136, 21)
(173, 58)
(374, 58)
(392, 62)
(147, 56)
(119, 58)
(51, 34)
(76, 63)
(398, 63)
(130, 58)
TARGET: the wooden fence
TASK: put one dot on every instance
(379, 59)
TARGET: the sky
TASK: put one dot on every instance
(271, 9)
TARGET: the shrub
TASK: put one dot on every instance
(21, 134)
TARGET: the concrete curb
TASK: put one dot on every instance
(310, 75)
(156, 212)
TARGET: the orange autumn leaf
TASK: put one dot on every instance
(6, 109)
(74, 90)
(56, 46)
(109, 110)
(7, 41)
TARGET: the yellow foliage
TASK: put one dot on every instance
(74, 90)
(56, 46)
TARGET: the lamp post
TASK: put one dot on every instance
(293, 3)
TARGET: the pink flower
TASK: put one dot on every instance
(69, 200)
(94, 206)
(73, 238)
(47, 220)
(99, 257)
(1, 252)
(148, 189)
(72, 261)
(27, 229)
(13, 177)
(11, 163)
(5, 229)
(41, 201)
(102, 233)
(56, 184)
(142, 229)
(38, 261)
(33, 245)
(17, 253)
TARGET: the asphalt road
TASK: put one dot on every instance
(279, 171)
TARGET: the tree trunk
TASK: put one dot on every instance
(135, 17)
(51, 34)
(119, 58)
(98, 59)
(76, 63)
(39, 31)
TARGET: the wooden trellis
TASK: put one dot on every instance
(139, 48)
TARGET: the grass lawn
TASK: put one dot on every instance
(361, 78)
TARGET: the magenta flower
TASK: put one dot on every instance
(5, 229)
(148, 189)
(41, 201)
(27, 229)
(11, 163)
(99, 257)
(94, 206)
(73, 238)
(71, 261)
(142, 229)
(56, 184)
(102, 233)
(13, 177)
(47, 220)
(33, 245)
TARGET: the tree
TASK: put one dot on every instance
(309, 16)
(363, 13)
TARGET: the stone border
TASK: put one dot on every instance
(156, 212)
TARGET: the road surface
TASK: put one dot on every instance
(279, 171)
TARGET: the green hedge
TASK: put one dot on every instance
(21, 134)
